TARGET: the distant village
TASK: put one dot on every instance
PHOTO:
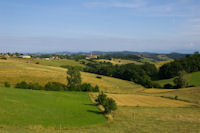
(46, 56)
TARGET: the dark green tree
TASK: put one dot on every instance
(109, 105)
(180, 81)
(73, 78)
(101, 98)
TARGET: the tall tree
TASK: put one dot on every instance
(73, 78)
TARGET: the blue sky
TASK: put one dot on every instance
(106, 25)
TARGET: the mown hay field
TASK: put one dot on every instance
(186, 94)
(147, 101)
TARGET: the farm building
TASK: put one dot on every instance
(25, 56)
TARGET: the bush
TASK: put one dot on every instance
(88, 87)
(6, 84)
(176, 97)
(35, 86)
(99, 77)
(55, 86)
(22, 85)
(37, 63)
(168, 86)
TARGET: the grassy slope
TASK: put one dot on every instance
(126, 119)
(187, 94)
(14, 71)
(193, 79)
(27, 108)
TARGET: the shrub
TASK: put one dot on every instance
(109, 105)
(22, 85)
(6, 84)
(88, 87)
(35, 86)
(168, 86)
(55, 86)
(176, 97)
(99, 77)
(37, 63)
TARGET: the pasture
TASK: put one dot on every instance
(21, 108)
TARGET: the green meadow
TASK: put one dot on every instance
(192, 78)
(28, 109)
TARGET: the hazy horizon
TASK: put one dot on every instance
(100, 25)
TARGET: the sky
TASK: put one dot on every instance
(99, 25)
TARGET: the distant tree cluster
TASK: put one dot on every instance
(140, 74)
(190, 63)
(120, 56)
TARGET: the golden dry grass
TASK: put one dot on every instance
(146, 101)
(187, 94)
(151, 91)
(160, 63)
(119, 61)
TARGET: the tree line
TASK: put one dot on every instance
(140, 74)
(74, 83)
(191, 63)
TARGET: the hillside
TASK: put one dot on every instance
(139, 109)
(14, 71)
(192, 78)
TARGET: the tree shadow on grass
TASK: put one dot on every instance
(96, 112)
(91, 104)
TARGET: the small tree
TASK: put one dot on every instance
(180, 81)
(101, 98)
(73, 78)
(109, 105)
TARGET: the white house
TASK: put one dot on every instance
(25, 56)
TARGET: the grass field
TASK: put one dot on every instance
(139, 120)
(27, 109)
(192, 78)
(57, 63)
(146, 101)
(14, 71)
(119, 61)
(186, 94)
(139, 110)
